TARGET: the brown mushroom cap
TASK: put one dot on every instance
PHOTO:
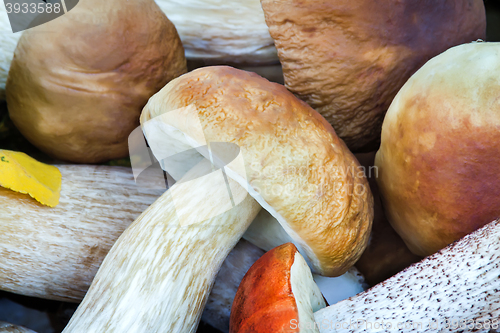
(296, 167)
(439, 162)
(347, 59)
(77, 84)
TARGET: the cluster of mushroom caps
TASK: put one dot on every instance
(250, 158)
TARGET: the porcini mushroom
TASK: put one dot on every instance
(348, 59)
(165, 262)
(453, 290)
(77, 84)
(439, 167)
(278, 294)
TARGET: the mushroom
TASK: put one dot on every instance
(165, 262)
(278, 294)
(77, 84)
(439, 167)
(348, 59)
(453, 290)
(63, 247)
(232, 32)
(11, 328)
(54, 253)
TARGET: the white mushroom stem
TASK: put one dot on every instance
(55, 252)
(11, 328)
(231, 31)
(157, 276)
(456, 289)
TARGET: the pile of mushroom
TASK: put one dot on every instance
(250, 211)
(453, 290)
(166, 261)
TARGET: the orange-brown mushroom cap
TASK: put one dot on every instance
(265, 301)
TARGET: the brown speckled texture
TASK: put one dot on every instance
(77, 84)
(439, 162)
(347, 59)
(292, 157)
(459, 285)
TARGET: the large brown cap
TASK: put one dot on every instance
(77, 84)
(347, 59)
(296, 166)
(439, 162)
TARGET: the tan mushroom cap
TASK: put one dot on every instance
(296, 167)
(77, 84)
(347, 59)
(439, 162)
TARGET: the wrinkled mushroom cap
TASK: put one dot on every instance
(294, 164)
(439, 167)
(347, 59)
(77, 84)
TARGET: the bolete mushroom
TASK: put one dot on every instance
(348, 59)
(439, 162)
(77, 84)
(453, 290)
(63, 247)
(165, 262)
(278, 294)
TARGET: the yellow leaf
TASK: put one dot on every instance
(23, 174)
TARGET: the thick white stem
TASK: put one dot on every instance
(456, 289)
(157, 276)
(55, 252)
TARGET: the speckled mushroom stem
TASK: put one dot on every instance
(455, 289)
(157, 276)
